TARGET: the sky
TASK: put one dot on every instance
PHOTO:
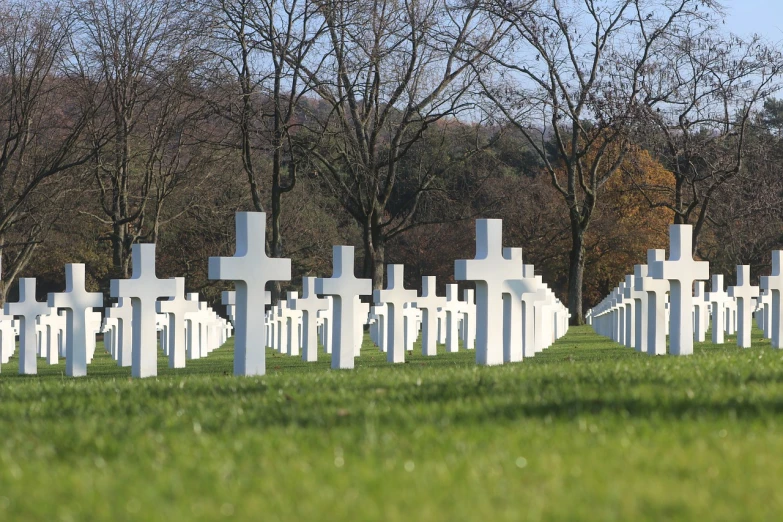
(765, 17)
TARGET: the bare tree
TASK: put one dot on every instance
(131, 54)
(43, 118)
(258, 48)
(571, 78)
(389, 72)
(704, 97)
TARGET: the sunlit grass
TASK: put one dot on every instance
(587, 430)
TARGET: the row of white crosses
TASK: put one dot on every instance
(515, 315)
(636, 315)
(132, 323)
(512, 305)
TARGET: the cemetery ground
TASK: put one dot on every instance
(586, 430)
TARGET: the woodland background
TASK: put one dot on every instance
(588, 126)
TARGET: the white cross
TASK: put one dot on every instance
(193, 322)
(310, 304)
(700, 312)
(122, 311)
(380, 326)
(629, 302)
(640, 308)
(620, 312)
(469, 318)
(529, 289)
(250, 269)
(395, 295)
(452, 307)
(344, 287)
(428, 303)
(110, 335)
(289, 325)
(718, 297)
(682, 271)
(28, 310)
(177, 307)
(412, 317)
(765, 312)
(744, 292)
(326, 328)
(144, 289)
(513, 344)
(50, 324)
(77, 302)
(488, 270)
(656, 305)
(774, 284)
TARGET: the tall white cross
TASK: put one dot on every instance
(718, 297)
(488, 270)
(144, 289)
(774, 284)
(310, 304)
(344, 287)
(77, 302)
(682, 271)
(177, 307)
(428, 303)
(744, 292)
(28, 310)
(656, 305)
(250, 269)
(395, 295)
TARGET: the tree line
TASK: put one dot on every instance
(586, 125)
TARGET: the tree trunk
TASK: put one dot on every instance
(374, 252)
(576, 271)
(276, 245)
(118, 248)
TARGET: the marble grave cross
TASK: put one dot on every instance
(122, 311)
(395, 295)
(744, 293)
(144, 289)
(656, 305)
(488, 270)
(28, 310)
(344, 288)
(177, 307)
(428, 303)
(309, 304)
(681, 270)
(77, 302)
(250, 269)
(718, 297)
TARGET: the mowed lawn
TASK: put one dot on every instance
(587, 430)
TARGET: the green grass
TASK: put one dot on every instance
(587, 430)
